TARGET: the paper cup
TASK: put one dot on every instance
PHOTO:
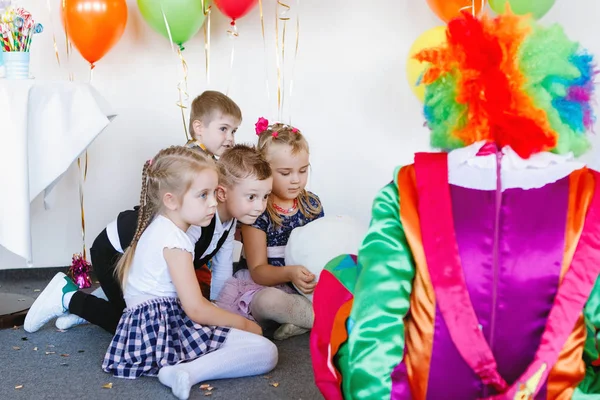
(16, 64)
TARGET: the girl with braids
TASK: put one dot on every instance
(214, 120)
(169, 329)
(262, 289)
(244, 185)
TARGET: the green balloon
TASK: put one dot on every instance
(185, 17)
(538, 8)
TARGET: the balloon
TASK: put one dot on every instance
(235, 9)
(414, 69)
(315, 244)
(185, 17)
(448, 9)
(538, 7)
(94, 26)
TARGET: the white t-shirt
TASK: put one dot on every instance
(149, 276)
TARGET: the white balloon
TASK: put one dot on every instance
(315, 244)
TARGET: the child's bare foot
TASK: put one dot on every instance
(286, 331)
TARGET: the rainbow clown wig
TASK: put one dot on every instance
(510, 81)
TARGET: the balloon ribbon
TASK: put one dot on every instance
(182, 85)
(280, 16)
(207, 12)
(233, 35)
(262, 25)
(82, 179)
(53, 34)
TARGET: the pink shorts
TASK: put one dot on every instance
(238, 291)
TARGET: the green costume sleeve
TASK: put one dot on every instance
(381, 300)
(591, 382)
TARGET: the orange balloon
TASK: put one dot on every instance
(448, 9)
(94, 26)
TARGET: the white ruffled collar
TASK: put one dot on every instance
(467, 169)
(510, 159)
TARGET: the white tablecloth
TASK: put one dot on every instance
(44, 127)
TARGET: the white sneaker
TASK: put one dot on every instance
(286, 331)
(49, 303)
(68, 321)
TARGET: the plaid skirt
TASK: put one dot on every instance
(155, 334)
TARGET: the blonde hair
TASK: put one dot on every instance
(171, 170)
(241, 162)
(287, 135)
(209, 103)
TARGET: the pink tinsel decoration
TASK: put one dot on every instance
(80, 271)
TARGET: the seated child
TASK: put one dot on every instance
(169, 329)
(261, 290)
(242, 194)
(214, 120)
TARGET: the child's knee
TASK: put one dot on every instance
(267, 298)
(270, 354)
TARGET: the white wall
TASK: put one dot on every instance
(351, 99)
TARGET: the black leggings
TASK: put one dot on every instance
(105, 314)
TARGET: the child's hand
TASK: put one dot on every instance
(253, 327)
(303, 279)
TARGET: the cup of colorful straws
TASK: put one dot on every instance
(17, 28)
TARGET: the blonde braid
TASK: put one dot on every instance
(145, 212)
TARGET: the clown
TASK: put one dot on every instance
(477, 277)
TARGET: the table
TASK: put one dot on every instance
(13, 308)
(44, 127)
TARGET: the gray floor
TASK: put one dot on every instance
(66, 365)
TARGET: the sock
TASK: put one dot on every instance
(286, 331)
(243, 354)
(99, 293)
(67, 299)
(276, 305)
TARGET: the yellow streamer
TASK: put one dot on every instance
(262, 25)
(207, 12)
(183, 94)
(182, 85)
(233, 35)
(67, 41)
(53, 34)
(280, 64)
(81, 185)
(295, 58)
(82, 180)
